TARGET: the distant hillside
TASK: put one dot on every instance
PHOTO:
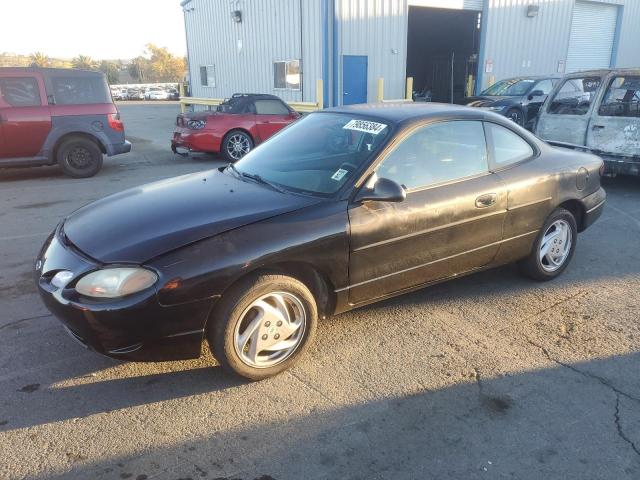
(13, 60)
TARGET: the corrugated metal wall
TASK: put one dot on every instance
(243, 53)
(628, 54)
(378, 29)
(519, 45)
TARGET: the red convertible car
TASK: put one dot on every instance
(238, 124)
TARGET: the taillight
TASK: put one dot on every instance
(115, 123)
(602, 169)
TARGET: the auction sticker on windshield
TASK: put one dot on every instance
(365, 126)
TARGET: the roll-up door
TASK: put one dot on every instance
(593, 31)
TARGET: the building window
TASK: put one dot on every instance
(286, 75)
(207, 76)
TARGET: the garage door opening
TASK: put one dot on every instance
(442, 52)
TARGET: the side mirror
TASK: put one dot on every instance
(536, 93)
(384, 190)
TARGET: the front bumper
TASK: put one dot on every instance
(136, 327)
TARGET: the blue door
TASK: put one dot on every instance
(354, 79)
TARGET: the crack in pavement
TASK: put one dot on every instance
(618, 393)
(308, 385)
(621, 434)
(16, 322)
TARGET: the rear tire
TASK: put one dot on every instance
(235, 145)
(553, 248)
(79, 157)
(263, 325)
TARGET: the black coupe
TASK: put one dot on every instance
(345, 207)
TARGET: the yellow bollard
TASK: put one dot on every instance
(183, 107)
(409, 89)
(380, 90)
(320, 94)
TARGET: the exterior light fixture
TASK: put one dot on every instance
(532, 10)
(236, 16)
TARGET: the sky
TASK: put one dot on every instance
(102, 30)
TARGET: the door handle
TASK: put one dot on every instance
(597, 127)
(486, 200)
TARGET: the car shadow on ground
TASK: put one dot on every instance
(560, 422)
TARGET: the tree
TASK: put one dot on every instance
(84, 62)
(139, 69)
(39, 59)
(164, 66)
(111, 70)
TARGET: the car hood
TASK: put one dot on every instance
(482, 101)
(136, 225)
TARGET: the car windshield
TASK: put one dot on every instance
(509, 88)
(316, 155)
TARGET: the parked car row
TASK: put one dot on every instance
(145, 93)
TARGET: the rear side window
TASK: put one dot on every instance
(270, 107)
(508, 147)
(20, 91)
(575, 96)
(78, 90)
(622, 98)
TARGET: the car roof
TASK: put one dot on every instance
(401, 112)
(532, 77)
(604, 71)
(50, 71)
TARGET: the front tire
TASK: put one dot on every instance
(553, 248)
(235, 145)
(263, 325)
(79, 157)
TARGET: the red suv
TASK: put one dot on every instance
(63, 116)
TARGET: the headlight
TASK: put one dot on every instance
(115, 282)
(495, 109)
(196, 124)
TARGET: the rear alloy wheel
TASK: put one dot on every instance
(553, 248)
(79, 157)
(516, 116)
(263, 325)
(236, 144)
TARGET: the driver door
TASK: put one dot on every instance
(449, 223)
(271, 116)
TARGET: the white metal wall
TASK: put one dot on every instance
(243, 53)
(519, 45)
(377, 29)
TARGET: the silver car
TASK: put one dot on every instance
(597, 111)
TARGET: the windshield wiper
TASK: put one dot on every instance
(259, 179)
(256, 178)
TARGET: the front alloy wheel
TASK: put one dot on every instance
(270, 329)
(262, 325)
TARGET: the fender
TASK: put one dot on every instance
(96, 126)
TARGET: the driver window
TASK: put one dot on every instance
(437, 153)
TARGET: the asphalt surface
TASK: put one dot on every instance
(489, 376)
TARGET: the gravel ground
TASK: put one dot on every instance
(489, 376)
